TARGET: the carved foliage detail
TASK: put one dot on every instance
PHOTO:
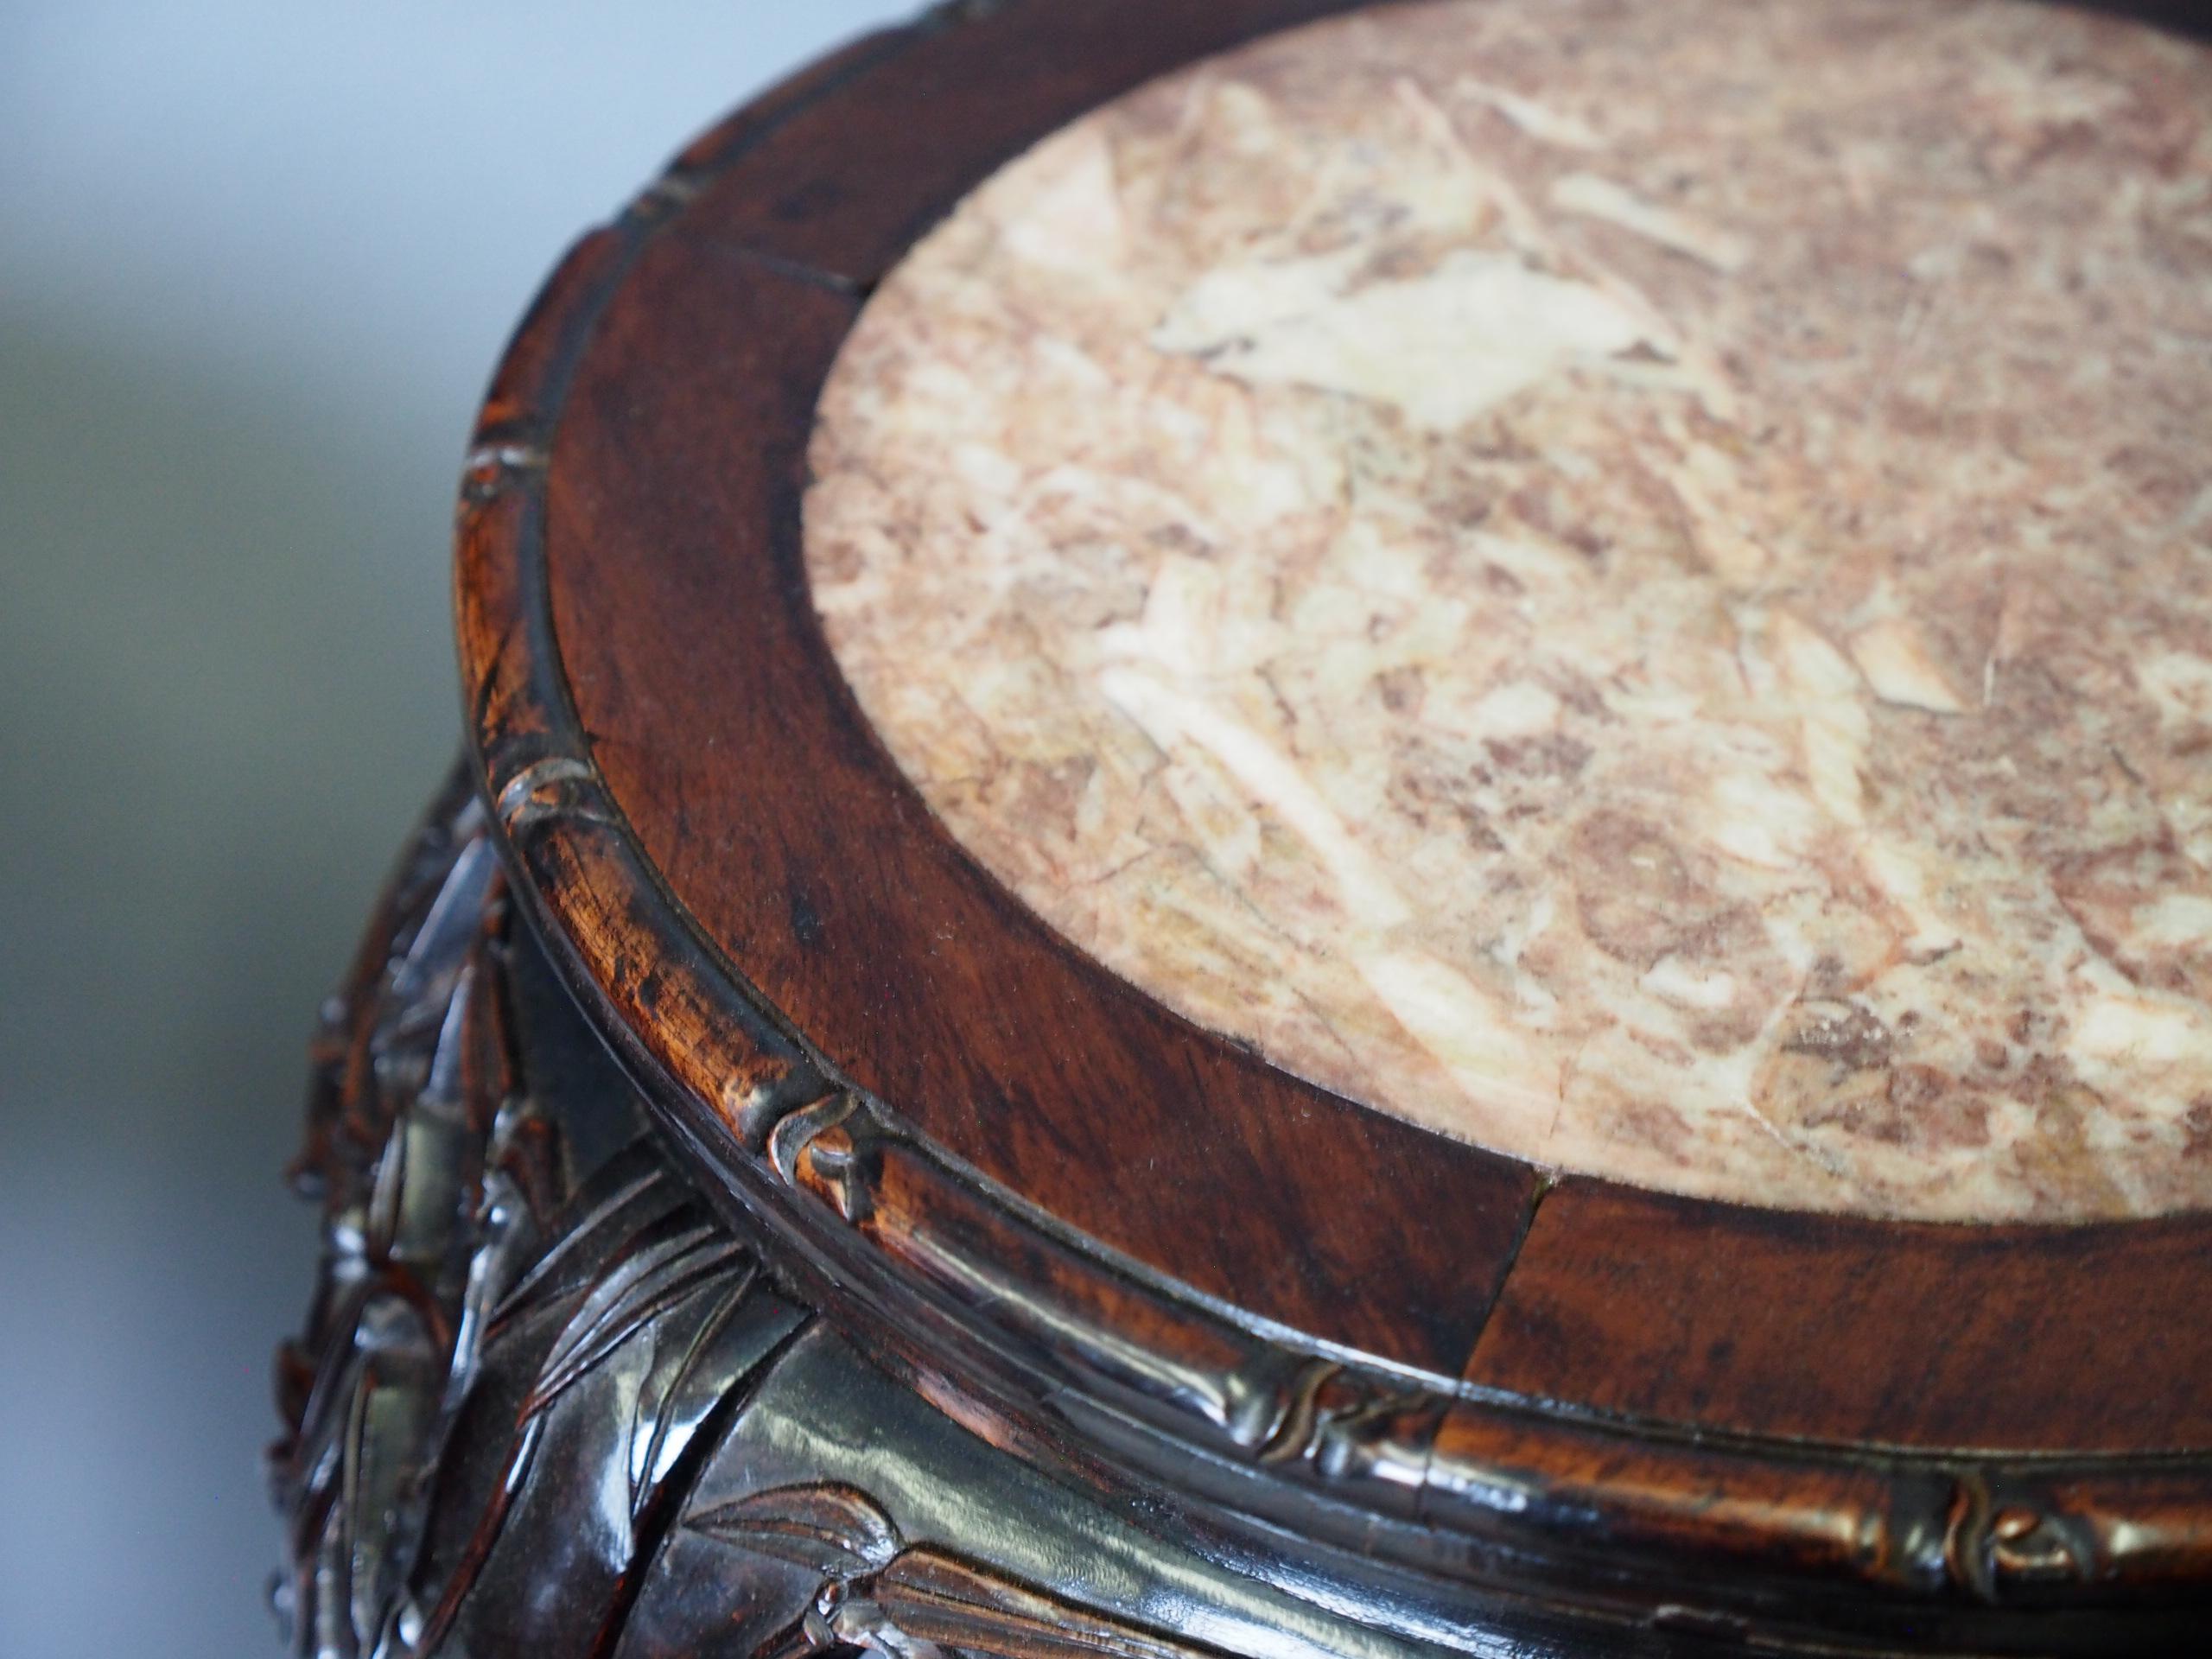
(909, 1601)
(520, 1304)
(531, 1338)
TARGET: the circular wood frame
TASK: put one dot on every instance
(1115, 1237)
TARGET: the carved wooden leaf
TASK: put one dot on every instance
(642, 1284)
(935, 1598)
(606, 1199)
(649, 1436)
(831, 1528)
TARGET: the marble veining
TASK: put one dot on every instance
(1627, 580)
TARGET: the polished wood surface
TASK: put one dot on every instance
(1834, 1328)
(1040, 1191)
(694, 661)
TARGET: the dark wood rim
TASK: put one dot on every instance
(986, 1153)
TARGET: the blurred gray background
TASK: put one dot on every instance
(256, 263)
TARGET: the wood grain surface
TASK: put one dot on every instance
(1064, 1178)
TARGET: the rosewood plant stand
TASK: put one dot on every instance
(783, 1195)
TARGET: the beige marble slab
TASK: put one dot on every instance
(1627, 580)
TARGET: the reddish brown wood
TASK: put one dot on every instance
(1066, 1197)
(1730, 1511)
(949, 103)
(758, 791)
(1839, 1329)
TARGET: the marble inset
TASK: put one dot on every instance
(1628, 580)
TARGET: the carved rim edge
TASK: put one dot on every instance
(1244, 1419)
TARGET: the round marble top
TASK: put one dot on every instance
(1629, 580)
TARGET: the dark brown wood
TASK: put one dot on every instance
(524, 1307)
(771, 812)
(842, 173)
(522, 1289)
(2060, 1339)
(1075, 1217)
